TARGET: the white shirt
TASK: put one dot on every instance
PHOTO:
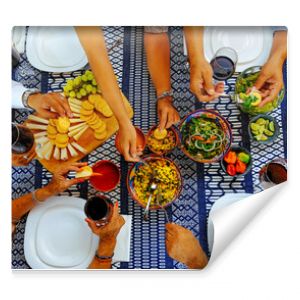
(16, 95)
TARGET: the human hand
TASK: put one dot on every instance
(59, 181)
(127, 142)
(110, 230)
(270, 80)
(50, 105)
(182, 246)
(167, 113)
(201, 82)
(19, 160)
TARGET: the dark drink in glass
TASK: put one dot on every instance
(99, 209)
(223, 63)
(273, 173)
(223, 67)
(22, 139)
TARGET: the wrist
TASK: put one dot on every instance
(29, 98)
(43, 193)
(278, 57)
(106, 246)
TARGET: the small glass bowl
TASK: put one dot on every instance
(270, 139)
(254, 110)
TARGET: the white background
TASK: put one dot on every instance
(263, 261)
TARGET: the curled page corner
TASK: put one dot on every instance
(227, 220)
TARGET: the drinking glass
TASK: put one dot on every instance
(224, 63)
(273, 173)
(22, 144)
(99, 209)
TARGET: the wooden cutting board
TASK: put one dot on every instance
(87, 140)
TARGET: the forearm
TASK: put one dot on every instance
(194, 42)
(157, 47)
(279, 47)
(24, 204)
(106, 248)
(93, 42)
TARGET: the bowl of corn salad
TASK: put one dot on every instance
(162, 142)
(164, 172)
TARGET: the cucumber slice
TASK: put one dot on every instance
(272, 126)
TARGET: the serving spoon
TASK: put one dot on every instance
(152, 188)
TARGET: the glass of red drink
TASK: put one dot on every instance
(273, 173)
(22, 144)
(99, 209)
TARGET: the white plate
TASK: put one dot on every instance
(62, 238)
(222, 202)
(56, 235)
(252, 44)
(55, 49)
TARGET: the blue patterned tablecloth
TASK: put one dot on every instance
(203, 184)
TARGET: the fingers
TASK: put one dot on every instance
(208, 83)
(163, 116)
(73, 181)
(66, 107)
(91, 224)
(47, 114)
(132, 148)
(273, 92)
(76, 167)
(262, 78)
(171, 120)
(54, 102)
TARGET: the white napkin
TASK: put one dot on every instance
(122, 250)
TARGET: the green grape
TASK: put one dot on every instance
(90, 76)
(87, 72)
(84, 78)
(70, 83)
(66, 88)
(99, 90)
(94, 82)
(89, 88)
(72, 94)
(66, 93)
(84, 86)
(82, 92)
(77, 81)
(78, 95)
(94, 90)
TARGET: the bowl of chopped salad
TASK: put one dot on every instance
(163, 141)
(205, 136)
(248, 98)
(164, 172)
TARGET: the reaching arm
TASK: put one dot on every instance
(270, 80)
(157, 47)
(58, 184)
(201, 83)
(93, 43)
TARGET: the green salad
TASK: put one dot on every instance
(249, 102)
(204, 138)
